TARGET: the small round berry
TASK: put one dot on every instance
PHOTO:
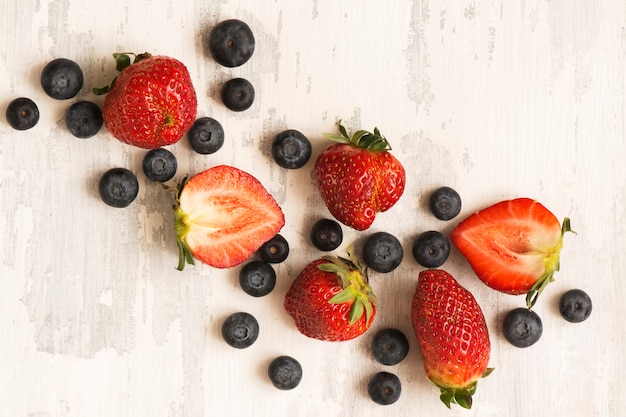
(240, 330)
(382, 252)
(22, 113)
(326, 235)
(84, 119)
(238, 94)
(285, 372)
(231, 43)
(445, 203)
(159, 165)
(275, 250)
(291, 149)
(522, 327)
(575, 306)
(206, 136)
(384, 388)
(431, 249)
(257, 278)
(61, 78)
(118, 187)
(390, 346)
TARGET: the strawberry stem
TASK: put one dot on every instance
(122, 61)
(363, 139)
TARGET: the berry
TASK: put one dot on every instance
(240, 330)
(231, 43)
(431, 249)
(159, 165)
(382, 252)
(291, 149)
(238, 94)
(257, 278)
(285, 372)
(326, 235)
(445, 203)
(275, 250)
(384, 388)
(390, 346)
(22, 113)
(84, 119)
(61, 78)
(118, 187)
(575, 306)
(522, 327)
(206, 136)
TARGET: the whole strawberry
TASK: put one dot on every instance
(151, 103)
(452, 336)
(331, 299)
(358, 177)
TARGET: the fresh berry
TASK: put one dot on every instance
(240, 330)
(206, 136)
(84, 119)
(575, 306)
(513, 246)
(431, 249)
(61, 78)
(522, 327)
(382, 252)
(445, 203)
(390, 346)
(238, 94)
(231, 43)
(326, 235)
(452, 336)
(159, 165)
(22, 113)
(358, 177)
(118, 187)
(275, 250)
(285, 372)
(223, 216)
(257, 278)
(331, 299)
(384, 388)
(291, 149)
(152, 102)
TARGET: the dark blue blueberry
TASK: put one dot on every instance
(231, 43)
(61, 78)
(159, 165)
(291, 149)
(431, 249)
(206, 135)
(238, 94)
(384, 388)
(257, 278)
(84, 119)
(575, 306)
(390, 346)
(326, 235)
(285, 372)
(240, 330)
(522, 327)
(382, 252)
(22, 113)
(118, 187)
(275, 250)
(445, 203)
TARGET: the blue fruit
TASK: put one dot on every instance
(118, 187)
(445, 203)
(159, 165)
(384, 388)
(382, 252)
(240, 330)
(575, 306)
(431, 249)
(275, 250)
(522, 327)
(285, 372)
(61, 78)
(326, 235)
(231, 43)
(22, 113)
(291, 149)
(84, 119)
(206, 135)
(390, 346)
(257, 278)
(238, 94)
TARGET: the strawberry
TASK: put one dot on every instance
(331, 299)
(452, 336)
(151, 103)
(513, 246)
(358, 177)
(223, 215)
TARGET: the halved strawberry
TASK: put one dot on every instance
(223, 216)
(513, 246)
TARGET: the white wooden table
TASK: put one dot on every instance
(496, 99)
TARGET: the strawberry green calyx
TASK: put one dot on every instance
(181, 227)
(122, 61)
(460, 396)
(361, 139)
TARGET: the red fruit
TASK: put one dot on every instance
(223, 216)
(331, 299)
(513, 246)
(358, 177)
(151, 103)
(452, 336)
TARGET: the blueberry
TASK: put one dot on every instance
(291, 149)
(390, 346)
(522, 327)
(238, 94)
(285, 372)
(206, 135)
(231, 43)
(61, 78)
(275, 250)
(257, 278)
(431, 249)
(384, 388)
(22, 113)
(326, 235)
(382, 252)
(575, 306)
(84, 119)
(445, 203)
(118, 187)
(159, 165)
(240, 330)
